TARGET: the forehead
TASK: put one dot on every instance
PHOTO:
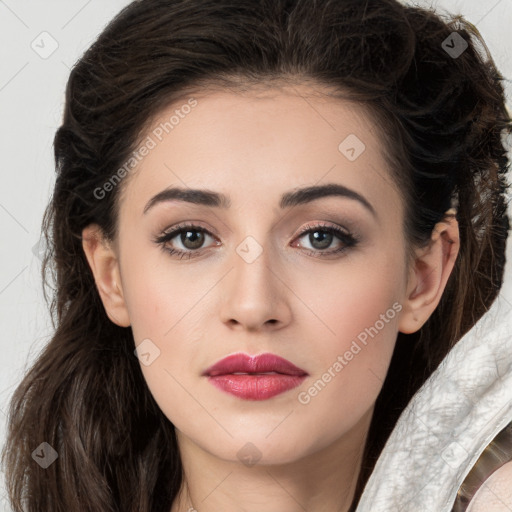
(255, 145)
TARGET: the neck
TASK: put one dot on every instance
(321, 481)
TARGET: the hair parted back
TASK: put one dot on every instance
(442, 121)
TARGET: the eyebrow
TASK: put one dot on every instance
(296, 197)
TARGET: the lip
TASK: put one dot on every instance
(258, 377)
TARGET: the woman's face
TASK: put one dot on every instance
(246, 280)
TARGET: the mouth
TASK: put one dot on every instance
(257, 377)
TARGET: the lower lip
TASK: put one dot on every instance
(256, 387)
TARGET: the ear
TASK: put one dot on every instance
(429, 274)
(104, 264)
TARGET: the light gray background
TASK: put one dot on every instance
(31, 100)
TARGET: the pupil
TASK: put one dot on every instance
(325, 239)
(196, 241)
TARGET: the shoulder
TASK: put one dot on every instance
(495, 494)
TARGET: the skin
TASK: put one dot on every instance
(290, 301)
(495, 494)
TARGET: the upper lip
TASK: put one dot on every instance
(244, 363)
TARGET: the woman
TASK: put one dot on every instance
(271, 222)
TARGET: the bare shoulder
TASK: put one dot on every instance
(495, 494)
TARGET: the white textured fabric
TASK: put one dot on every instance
(448, 423)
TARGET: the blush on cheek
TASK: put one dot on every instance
(370, 342)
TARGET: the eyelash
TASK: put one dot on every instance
(348, 239)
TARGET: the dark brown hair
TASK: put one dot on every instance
(441, 116)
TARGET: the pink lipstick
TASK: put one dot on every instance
(256, 377)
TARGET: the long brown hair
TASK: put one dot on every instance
(440, 109)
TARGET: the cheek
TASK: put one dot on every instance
(354, 333)
(349, 366)
(156, 296)
(352, 363)
(360, 302)
(167, 313)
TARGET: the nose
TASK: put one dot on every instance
(255, 296)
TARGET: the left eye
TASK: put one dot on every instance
(327, 234)
(192, 238)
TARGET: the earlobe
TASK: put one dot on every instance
(429, 274)
(104, 265)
